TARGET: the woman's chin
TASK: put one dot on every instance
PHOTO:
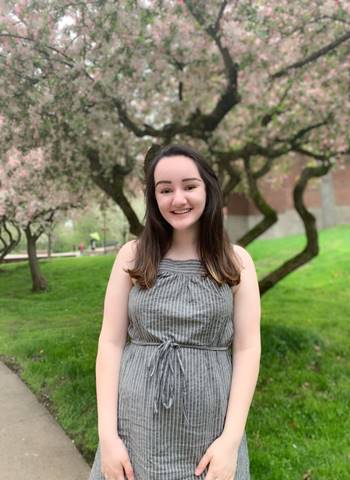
(182, 224)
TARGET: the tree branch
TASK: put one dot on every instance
(269, 214)
(114, 187)
(313, 56)
(311, 249)
(230, 96)
(7, 240)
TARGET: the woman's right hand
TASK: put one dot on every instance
(115, 459)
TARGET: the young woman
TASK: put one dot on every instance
(173, 400)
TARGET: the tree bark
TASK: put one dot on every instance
(270, 215)
(312, 248)
(113, 187)
(39, 282)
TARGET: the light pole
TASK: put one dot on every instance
(104, 228)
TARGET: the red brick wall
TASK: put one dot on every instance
(341, 179)
(280, 197)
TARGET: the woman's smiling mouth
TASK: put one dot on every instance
(181, 212)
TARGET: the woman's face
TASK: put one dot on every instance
(180, 191)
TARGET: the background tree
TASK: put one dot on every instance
(32, 200)
(97, 83)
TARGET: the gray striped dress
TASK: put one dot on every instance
(175, 374)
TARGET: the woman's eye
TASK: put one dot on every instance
(189, 187)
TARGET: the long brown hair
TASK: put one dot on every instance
(214, 247)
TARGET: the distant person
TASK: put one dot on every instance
(93, 244)
(81, 248)
(184, 295)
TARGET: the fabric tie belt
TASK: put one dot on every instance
(163, 359)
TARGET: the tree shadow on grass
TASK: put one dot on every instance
(278, 341)
(289, 356)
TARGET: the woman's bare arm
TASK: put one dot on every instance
(246, 349)
(111, 343)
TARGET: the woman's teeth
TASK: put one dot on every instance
(182, 212)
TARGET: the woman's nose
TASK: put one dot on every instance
(179, 198)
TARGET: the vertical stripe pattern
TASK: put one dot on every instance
(181, 331)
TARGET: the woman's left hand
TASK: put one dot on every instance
(222, 458)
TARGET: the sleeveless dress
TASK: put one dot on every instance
(175, 374)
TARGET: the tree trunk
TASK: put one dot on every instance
(269, 214)
(311, 249)
(39, 282)
(113, 187)
(49, 244)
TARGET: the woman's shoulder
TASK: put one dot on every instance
(243, 255)
(129, 248)
(127, 252)
(244, 259)
(127, 255)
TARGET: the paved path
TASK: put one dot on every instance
(32, 445)
(20, 257)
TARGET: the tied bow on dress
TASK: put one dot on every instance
(162, 364)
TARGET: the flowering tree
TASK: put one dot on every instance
(247, 83)
(32, 200)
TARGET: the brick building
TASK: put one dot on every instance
(328, 199)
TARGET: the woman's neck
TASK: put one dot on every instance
(184, 245)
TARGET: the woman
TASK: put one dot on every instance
(174, 400)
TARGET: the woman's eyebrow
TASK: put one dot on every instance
(184, 180)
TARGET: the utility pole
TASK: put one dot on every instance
(103, 206)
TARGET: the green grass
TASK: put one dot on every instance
(53, 337)
(297, 425)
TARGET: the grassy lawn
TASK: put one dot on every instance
(297, 426)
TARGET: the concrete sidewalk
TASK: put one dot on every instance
(32, 445)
